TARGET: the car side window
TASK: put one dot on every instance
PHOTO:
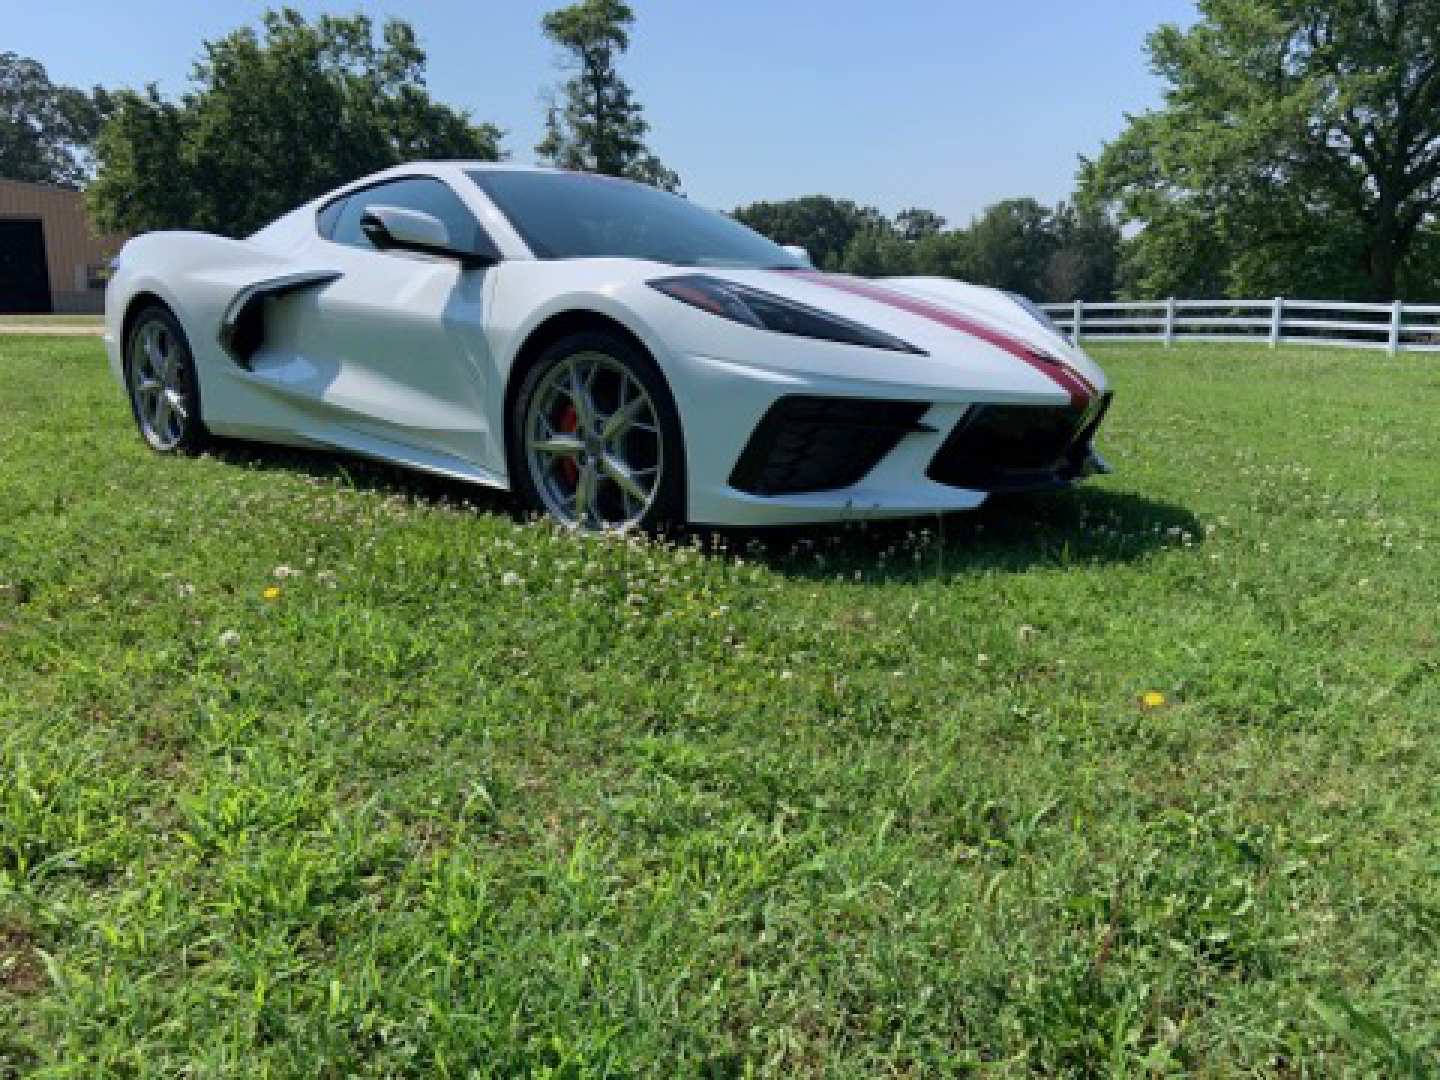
(423, 193)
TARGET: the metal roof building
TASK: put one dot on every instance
(51, 259)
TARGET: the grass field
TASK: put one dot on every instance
(309, 768)
(61, 321)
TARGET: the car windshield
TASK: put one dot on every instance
(566, 215)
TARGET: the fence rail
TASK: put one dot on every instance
(1396, 327)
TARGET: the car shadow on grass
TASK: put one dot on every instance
(1086, 525)
(1083, 526)
(362, 474)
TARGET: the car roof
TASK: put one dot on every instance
(443, 168)
(440, 168)
(461, 163)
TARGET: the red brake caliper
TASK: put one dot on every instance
(569, 467)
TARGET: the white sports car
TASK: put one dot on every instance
(615, 356)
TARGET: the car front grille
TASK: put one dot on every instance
(822, 444)
(1017, 447)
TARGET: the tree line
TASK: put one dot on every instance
(1296, 152)
(1049, 253)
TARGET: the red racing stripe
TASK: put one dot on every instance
(1079, 388)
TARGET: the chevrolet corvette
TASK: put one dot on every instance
(615, 356)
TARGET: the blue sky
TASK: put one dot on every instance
(946, 104)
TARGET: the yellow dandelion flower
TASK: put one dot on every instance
(1153, 700)
(272, 592)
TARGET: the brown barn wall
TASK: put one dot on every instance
(71, 245)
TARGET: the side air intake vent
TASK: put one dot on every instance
(242, 328)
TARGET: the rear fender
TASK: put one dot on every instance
(216, 287)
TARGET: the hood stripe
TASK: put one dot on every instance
(1080, 389)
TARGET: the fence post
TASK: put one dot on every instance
(1397, 320)
(1170, 322)
(1079, 319)
(1277, 321)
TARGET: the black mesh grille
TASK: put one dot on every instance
(822, 444)
(1017, 447)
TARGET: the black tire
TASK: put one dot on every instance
(167, 416)
(666, 509)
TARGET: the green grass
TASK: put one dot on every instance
(475, 798)
(52, 320)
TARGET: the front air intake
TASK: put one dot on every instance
(807, 444)
(1018, 447)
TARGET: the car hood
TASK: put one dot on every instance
(957, 324)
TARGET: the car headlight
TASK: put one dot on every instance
(766, 311)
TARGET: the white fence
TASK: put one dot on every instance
(1395, 327)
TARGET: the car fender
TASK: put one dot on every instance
(521, 304)
(202, 278)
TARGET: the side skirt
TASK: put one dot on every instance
(378, 449)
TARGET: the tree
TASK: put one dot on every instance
(1019, 244)
(1298, 148)
(821, 225)
(600, 127)
(1085, 262)
(273, 121)
(46, 130)
(950, 253)
(878, 251)
(915, 223)
(1012, 244)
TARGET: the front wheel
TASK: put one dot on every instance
(164, 391)
(596, 438)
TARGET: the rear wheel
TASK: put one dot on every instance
(160, 375)
(596, 439)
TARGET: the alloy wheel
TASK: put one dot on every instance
(157, 387)
(593, 444)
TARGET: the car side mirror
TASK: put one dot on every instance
(799, 253)
(398, 228)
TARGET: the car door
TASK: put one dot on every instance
(393, 353)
